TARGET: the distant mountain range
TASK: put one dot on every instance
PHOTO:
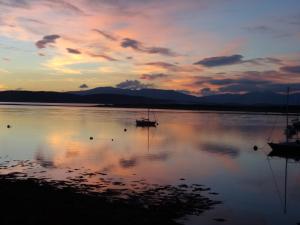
(176, 97)
(159, 94)
(117, 96)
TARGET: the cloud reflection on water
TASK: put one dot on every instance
(208, 148)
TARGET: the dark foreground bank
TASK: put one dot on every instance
(26, 200)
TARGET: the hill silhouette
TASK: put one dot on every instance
(117, 96)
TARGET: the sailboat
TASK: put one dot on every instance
(291, 144)
(146, 122)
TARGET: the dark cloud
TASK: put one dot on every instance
(281, 87)
(30, 20)
(134, 8)
(160, 50)
(259, 29)
(241, 86)
(258, 86)
(294, 19)
(221, 81)
(163, 65)
(48, 39)
(263, 29)
(248, 85)
(109, 58)
(173, 67)
(153, 76)
(231, 85)
(139, 46)
(136, 45)
(248, 81)
(262, 61)
(236, 59)
(15, 3)
(237, 81)
(267, 74)
(220, 61)
(73, 51)
(83, 86)
(133, 85)
(291, 69)
(61, 4)
(56, 4)
(106, 35)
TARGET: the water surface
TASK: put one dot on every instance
(214, 149)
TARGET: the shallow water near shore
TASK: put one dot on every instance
(213, 149)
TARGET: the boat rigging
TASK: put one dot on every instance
(146, 122)
(291, 144)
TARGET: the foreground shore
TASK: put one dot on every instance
(27, 200)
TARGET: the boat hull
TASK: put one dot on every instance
(146, 123)
(287, 154)
(285, 146)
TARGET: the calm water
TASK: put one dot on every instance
(214, 149)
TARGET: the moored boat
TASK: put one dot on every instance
(146, 122)
(286, 146)
(290, 144)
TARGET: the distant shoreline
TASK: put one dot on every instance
(216, 108)
(49, 104)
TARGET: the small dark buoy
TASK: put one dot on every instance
(255, 148)
(91, 138)
(125, 130)
(219, 220)
(8, 126)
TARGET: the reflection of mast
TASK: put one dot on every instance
(148, 135)
(286, 157)
(285, 185)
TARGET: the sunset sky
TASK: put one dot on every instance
(199, 46)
